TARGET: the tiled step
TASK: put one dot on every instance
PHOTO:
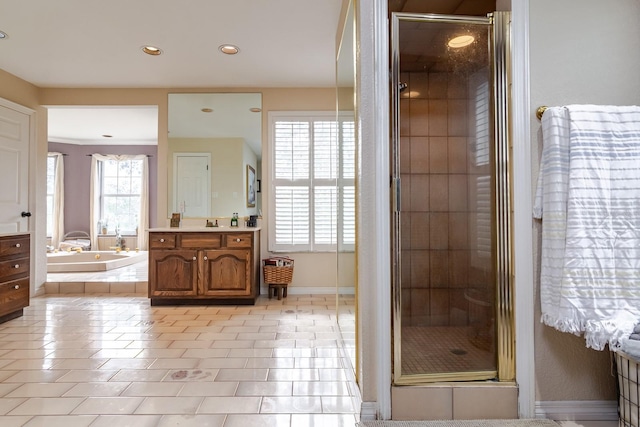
(96, 287)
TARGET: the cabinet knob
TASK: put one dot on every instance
(17, 245)
(205, 258)
(161, 240)
(16, 287)
(194, 258)
(16, 266)
(238, 240)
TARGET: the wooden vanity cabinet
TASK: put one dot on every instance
(14, 275)
(203, 268)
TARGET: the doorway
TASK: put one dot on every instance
(192, 176)
(452, 293)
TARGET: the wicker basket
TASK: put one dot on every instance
(628, 389)
(275, 274)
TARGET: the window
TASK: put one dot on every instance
(313, 190)
(120, 192)
(51, 188)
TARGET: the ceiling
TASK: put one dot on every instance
(88, 44)
(88, 125)
(79, 43)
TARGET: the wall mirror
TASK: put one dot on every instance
(345, 91)
(213, 137)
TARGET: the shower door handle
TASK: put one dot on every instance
(395, 190)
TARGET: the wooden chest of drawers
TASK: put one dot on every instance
(14, 275)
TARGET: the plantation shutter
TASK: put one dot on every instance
(306, 170)
(347, 219)
(292, 183)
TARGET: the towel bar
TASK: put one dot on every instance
(540, 111)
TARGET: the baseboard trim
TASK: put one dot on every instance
(312, 290)
(368, 411)
(578, 410)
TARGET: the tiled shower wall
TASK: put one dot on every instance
(445, 219)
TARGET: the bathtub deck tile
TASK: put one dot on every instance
(123, 287)
(97, 288)
(72, 288)
(137, 272)
(125, 280)
(52, 288)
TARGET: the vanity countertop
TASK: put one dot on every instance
(218, 229)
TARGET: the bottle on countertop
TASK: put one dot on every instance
(234, 220)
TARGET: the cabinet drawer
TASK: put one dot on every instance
(11, 269)
(238, 240)
(162, 241)
(18, 245)
(14, 295)
(200, 240)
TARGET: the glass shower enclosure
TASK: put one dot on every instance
(450, 184)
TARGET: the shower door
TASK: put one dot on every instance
(451, 253)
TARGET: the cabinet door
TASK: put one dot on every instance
(173, 273)
(227, 273)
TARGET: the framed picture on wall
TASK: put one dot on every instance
(251, 187)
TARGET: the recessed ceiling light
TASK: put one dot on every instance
(229, 49)
(255, 109)
(152, 50)
(207, 110)
(461, 41)
(3, 35)
(107, 136)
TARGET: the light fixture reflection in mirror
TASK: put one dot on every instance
(225, 128)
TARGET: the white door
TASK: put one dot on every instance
(14, 170)
(192, 179)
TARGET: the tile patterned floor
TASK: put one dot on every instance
(106, 360)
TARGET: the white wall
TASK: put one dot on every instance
(581, 51)
(228, 160)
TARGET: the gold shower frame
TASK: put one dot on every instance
(505, 324)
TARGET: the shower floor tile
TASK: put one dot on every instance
(444, 349)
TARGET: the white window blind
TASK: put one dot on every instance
(313, 191)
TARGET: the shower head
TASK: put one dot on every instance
(402, 86)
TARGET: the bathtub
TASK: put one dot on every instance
(64, 262)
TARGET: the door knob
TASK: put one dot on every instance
(25, 214)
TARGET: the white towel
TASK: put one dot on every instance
(589, 200)
(631, 347)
